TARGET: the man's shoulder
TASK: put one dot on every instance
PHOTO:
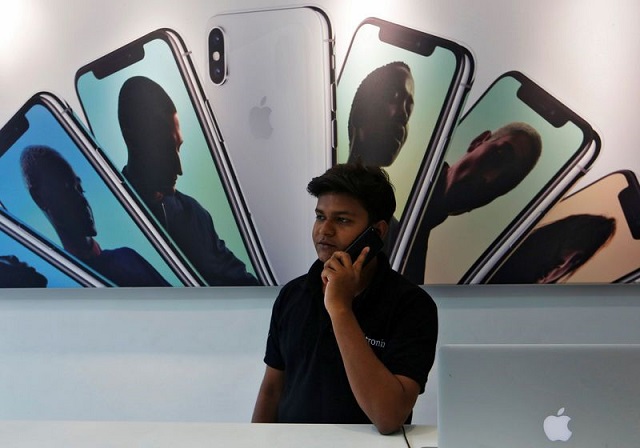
(301, 288)
(183, 204)
(186, 199)
(121, 253)
(293, 287)
(401, 288)
(293, 297)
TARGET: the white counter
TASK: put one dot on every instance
(82, 434)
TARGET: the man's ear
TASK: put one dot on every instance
(483, 137)
(382, 227)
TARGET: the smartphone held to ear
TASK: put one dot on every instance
(368, 238)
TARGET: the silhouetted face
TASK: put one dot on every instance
(17, 274)
(160, 157)
(340, 218)
(486, 171)
(381, 127)
(60, 195)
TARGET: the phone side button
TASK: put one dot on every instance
(216, 128)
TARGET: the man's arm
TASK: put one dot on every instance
(266, 407)
(385, 398)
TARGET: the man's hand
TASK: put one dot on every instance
(342, 280)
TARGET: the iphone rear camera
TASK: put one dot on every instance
(217, 59)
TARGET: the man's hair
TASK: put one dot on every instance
(367, 184)
(37, 162)
(144, 109)
(530, 158)
(370, 87)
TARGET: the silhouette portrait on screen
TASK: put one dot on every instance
(151, 130)
(57, 191)
(378, 123)
(553, 252)
(379, 117)
(18, 274)
(494, 164)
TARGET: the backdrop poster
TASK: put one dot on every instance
(552, 198)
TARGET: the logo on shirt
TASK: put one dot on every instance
(380, 343)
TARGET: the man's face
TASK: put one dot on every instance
(62, 198)
(484, 172)
(340, 218)
(383, 129)
(162, 164)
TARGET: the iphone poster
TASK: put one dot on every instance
(481, 201)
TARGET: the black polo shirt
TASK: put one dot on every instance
(398, 318)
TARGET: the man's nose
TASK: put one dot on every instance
(83, 200)
(400, 111)
(178, 165)
(326, 228)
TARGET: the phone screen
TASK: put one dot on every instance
(598, 226)
(21, 267)
(203, 165)
(36, 125)
(475, 228)
(429, 74)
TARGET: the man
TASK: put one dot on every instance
(57, 191)
(494, 164)
(151, 130)
(347, 343)
(379, 117)
(378, 124)
(15, 273)
(552, 253)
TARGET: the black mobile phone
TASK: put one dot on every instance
(205, 212)
(52, 181)
(399, 95)
(590, 236)
(513, 155)
(369, 238)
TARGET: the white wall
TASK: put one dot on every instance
(196, 354)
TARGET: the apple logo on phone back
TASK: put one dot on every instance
(260, 120)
